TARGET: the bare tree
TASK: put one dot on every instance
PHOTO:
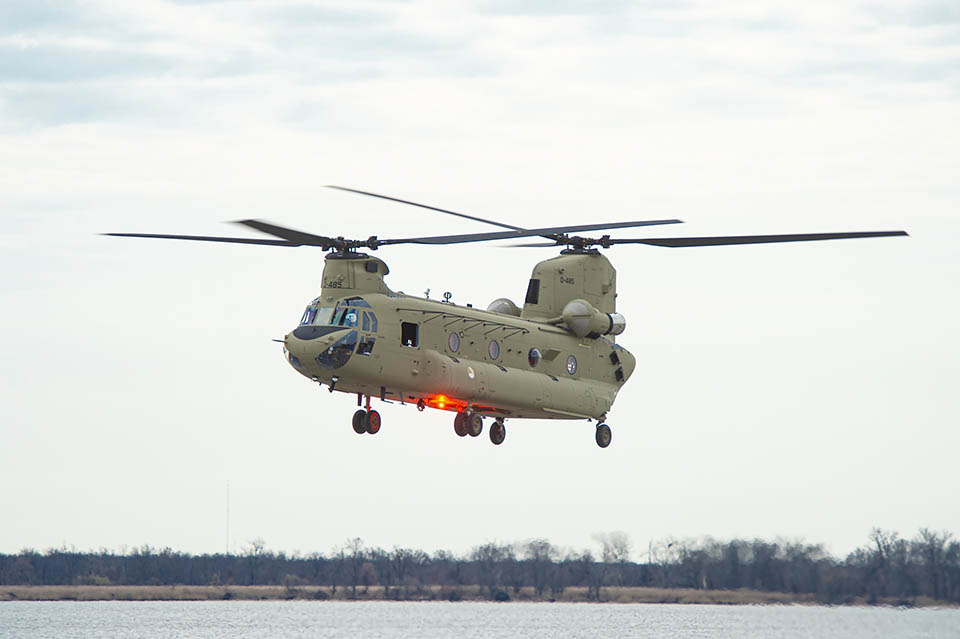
(614, 553)
(539, 555)
(337, 563)
(491, 559)
(255, 552)
(932, 548)
(356, 557)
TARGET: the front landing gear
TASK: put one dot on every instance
(498, 432)
(603, 435)
(360, 422)
(373, 422)
(366, 421)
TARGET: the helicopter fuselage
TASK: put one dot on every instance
(359, 337)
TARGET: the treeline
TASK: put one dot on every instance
(888, 568)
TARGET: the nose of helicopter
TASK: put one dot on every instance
(305, 346)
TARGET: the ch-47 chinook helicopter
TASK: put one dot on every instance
(554, 358)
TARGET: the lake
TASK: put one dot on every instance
(462, 620)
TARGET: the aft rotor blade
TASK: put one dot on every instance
(299, 238)
(425, 206)
(206, 238)
(507, 235)
(675, 242)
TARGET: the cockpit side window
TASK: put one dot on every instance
(369, 321)
(366, 345)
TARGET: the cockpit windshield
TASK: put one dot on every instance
(316, 315)
(346, 313)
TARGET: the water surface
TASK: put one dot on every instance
(462, 620)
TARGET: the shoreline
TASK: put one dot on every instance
(621, 595)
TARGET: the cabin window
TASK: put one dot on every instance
(454, 342)
(533, 292)
(533, 357)
(493, 349)
(409, 334)
(572, 365)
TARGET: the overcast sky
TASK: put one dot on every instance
(800, 390)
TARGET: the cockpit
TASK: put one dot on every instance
(351, 313)
(348, 313)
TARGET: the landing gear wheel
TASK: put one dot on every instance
(603, 435)
(498, 432)
(460, 424)
(474, 424)
(373, 422)
(360, 422)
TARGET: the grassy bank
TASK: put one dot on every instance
(376, 593)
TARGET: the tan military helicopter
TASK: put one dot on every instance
(554, 358)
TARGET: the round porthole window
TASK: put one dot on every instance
(493, 349)
(571, 364)
(454, 342)
(533, 357)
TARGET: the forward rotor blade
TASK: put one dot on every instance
(675, 242)
(506, 235)
(298, 238)
(535, 245)
(206, 238)
(424, 206)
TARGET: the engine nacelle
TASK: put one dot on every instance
(504, 307)
(586, 321)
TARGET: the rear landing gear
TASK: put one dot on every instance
(474, 424)
(498, 432)
(460, 424)
(468, 424)
(603, 435)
